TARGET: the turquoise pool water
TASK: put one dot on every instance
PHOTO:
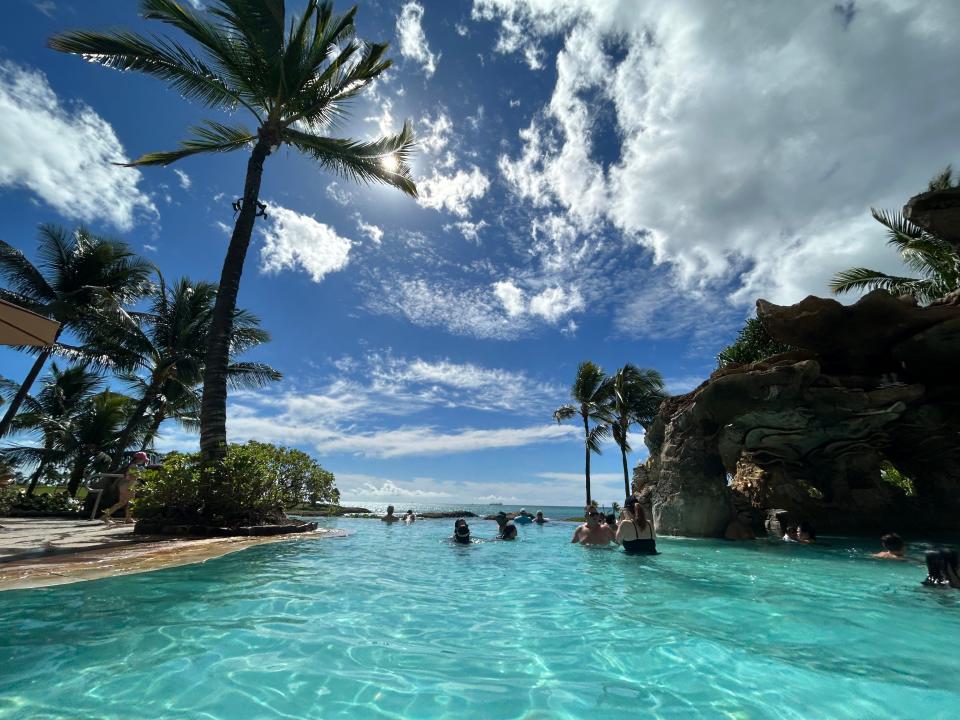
(395, 622)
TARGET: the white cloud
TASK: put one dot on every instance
(338, 194)
(149, 248)
(746, 160)
(374, 232)
(413, 41)
(511, 296)
(433, 133)
(469, 230)
(64, 154)
(47, 7)
(461, 29)
(554, 303)
(292, 240)
(184, 179)
(452, 193)
(224, 228)
(371, 487)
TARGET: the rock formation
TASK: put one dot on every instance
(807, 431)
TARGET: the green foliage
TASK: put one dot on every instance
(889, 474)
(14, 502)
(933, 261)
(252, 485)
(753, 343)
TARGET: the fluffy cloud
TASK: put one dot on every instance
(374, 232)
(413, 41)
(64, 154)
(292, 240)
(469, 230)
(453, 192)
(748, 159)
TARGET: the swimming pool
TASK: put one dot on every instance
(396, 622)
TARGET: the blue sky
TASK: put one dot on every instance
(615, 181)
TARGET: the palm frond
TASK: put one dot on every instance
(361, 161)
(564, 412)
(597, 434)
(856, 279)
(251, 375)
(22, 276)
(210, 137)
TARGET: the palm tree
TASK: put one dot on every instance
(83, 282)
(589, 393)
(934, 260)
(169, 342)
(50, 413)
(94, 436)
(634, 396)
(293, 83)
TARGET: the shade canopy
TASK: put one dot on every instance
(22, 327)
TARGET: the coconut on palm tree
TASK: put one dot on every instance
(83, 281)
(169, 343)
(634, 396)
(934, 261)
(589, 393)
(293, 80)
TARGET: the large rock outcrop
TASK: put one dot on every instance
(807, 431)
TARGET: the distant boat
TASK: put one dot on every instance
(496, 503)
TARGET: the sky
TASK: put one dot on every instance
(612, 180)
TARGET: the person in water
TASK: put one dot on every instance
(508, 531)
(635, 532)
(390, 517)
(805, 533)
(539, 519)
(592, 532)
(461, 532)
(409, 517)
(791, 534)
(125, 488)
(611, 521)
(943, 569)
(893, 548)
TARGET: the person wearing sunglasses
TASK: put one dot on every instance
(592, 532)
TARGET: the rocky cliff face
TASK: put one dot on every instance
(807, 431)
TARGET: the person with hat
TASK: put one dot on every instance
(125, 488)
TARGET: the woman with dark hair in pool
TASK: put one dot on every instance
(461, 532)
(943, 569)
(635, 532)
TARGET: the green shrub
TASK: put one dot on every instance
(253, 485)
(753, 343)
(15, 502)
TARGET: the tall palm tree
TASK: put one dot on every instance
(83, 281)
(94, 437)
(933, 260)
(634, 396)
(294, 83)
(49, 414)
(169, 343)
(589, 393)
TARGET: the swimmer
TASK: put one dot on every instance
(390, 517)
(508, 531)
(461, 532)
(539, 519)
(592, 532)
(893, 548)
(635, 532)
(409, 517)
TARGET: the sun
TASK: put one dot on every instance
(389, 163)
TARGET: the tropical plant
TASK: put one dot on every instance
(633, 396)
(83, 281)
(253, 485)
(83, 443)
(169, 343)
(589, 393)
(934, 261)
(753, 344)
(294, 83)
(50, 413)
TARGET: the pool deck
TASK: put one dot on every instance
(41, 552)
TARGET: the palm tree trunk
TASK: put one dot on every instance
(35, 478)
(626, 478)
(76, 476)
(135, 417)
(586, 447)
(18, 399)
(213, 406)
(158, 419)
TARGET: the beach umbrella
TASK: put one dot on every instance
(22, 327)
